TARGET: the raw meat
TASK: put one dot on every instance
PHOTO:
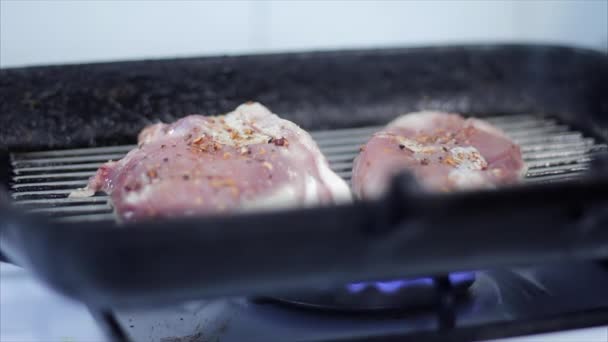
(246, 159)
(444, 152)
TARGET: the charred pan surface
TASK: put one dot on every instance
(107, 104)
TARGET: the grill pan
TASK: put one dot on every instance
(552, 100)
(42, 180)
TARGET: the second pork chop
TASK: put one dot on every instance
(444, 152)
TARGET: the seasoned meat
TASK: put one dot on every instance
(246, 159)
(444, 152)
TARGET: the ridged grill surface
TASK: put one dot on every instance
(42, 180)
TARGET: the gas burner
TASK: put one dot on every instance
(393, 295)
(499, 303)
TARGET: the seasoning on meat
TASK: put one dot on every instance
(444, 152)
(225, 163)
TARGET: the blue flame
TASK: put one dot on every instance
(396, 285)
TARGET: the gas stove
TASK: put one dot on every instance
(498, 303)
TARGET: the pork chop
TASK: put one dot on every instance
(246, 159)
(443, 151)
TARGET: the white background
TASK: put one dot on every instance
(53, 31)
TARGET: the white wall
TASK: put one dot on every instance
(48, 32)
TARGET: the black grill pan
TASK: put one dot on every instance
(406, 233)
